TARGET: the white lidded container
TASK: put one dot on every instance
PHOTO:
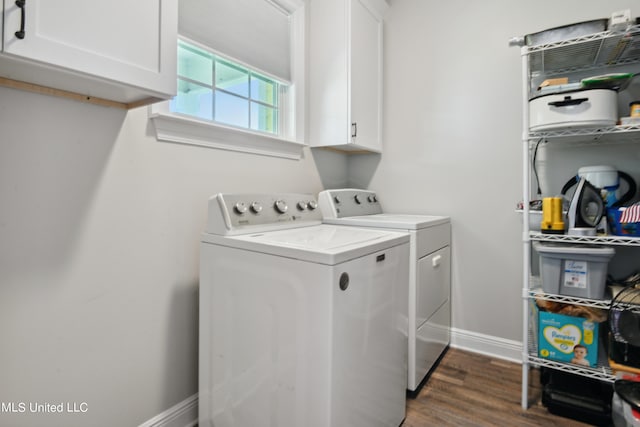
(601, 176)
(581, 108)
(577, 271)
(605, 178)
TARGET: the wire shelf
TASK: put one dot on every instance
(600, 372)
(538, 293)
(620, 133)
(603, 49)
(592, 240)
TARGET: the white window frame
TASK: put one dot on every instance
(179, 128)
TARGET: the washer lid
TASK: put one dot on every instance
(391, 221)
(322, 244)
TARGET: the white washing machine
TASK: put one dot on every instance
(429, 298)
(300, 322)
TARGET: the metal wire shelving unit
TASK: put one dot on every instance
(604, 52)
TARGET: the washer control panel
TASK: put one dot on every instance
(348, 202)
(238, 213)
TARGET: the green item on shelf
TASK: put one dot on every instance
(618, 81)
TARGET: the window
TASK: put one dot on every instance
(216, 89)
(223, 102)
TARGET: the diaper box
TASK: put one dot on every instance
(567, 339)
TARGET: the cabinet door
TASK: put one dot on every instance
(366, 76)
(131, 42)
(328, 73)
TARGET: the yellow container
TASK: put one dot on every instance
(552, 222)
(634, 109)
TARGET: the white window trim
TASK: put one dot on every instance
(178, 128)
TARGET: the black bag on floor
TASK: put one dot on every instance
(576, 397)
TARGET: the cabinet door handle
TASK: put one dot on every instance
(354, 130)
(568, 101)
(21, 5)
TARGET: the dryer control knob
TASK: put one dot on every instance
(256, 207)
(301, 205)
(240, 208)
(280, 206)
(357, 199)
(312, 205)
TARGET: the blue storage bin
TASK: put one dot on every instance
(631, 229)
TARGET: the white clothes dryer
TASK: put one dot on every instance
(429, 298)
(300, 322)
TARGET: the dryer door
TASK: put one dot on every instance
(433, 283)
(433, 318)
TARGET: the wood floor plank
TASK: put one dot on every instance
(469, 389)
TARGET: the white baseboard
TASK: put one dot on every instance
(183, 414)
(499, 348)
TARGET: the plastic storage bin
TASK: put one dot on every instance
(578, 271)
(631, 229)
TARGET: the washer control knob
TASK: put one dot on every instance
(337, 199)
(312, 205)
(256, 207)
(301, 205)
(240, 208)
(372, 198)
(357, 199)
(280, 206)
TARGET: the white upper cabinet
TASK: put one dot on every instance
(345, 74)
(119, 50)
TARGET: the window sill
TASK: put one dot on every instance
(185, 130)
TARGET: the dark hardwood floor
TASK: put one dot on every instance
(468, 389)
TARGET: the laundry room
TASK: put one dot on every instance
(112, 188)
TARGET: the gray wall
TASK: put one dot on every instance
(100, 223)
(99, 227)
(452, 132)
